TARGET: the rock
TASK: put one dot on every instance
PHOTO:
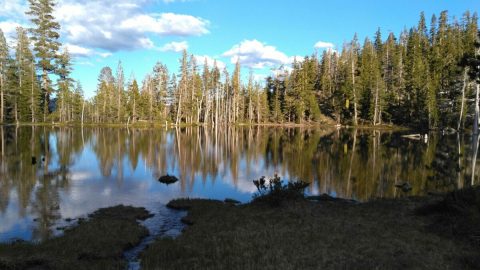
(168, 179)
(327, 198)
(405, 187)
(233, 201)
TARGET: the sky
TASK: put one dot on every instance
(262, 34)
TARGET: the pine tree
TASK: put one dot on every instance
(65, 86)
(3, 74)
(45, 37)
(183, 87)
(29, 96)
(133, 99)
(119, 91)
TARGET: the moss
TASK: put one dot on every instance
(96, 243)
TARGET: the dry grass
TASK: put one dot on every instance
(97, 243)
(301, 234)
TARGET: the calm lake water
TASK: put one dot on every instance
(77, 171)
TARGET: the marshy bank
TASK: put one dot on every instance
(287, 231)
(95, 243)
(432, 232)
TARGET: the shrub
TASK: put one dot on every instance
(274, 192)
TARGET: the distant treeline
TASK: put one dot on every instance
(427, 77)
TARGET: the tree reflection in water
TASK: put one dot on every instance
(122, 165)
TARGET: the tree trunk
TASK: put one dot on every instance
(355, 113)
(477, 110)
(83, 110)
(45, 96)
(179, 109)
(119, 93)
(216, 107)
(20, 84)
(1, 98)
(134, 113)
(460, 120)
(375, 115)
(32, 100)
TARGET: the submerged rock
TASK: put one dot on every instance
(168, 179)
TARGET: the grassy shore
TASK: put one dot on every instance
(96, 243)
(412, 233)
(433, 232)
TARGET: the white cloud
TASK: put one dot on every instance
(167, 24)
(86, 63)
(80, 51)
(9, 30)
(174, 46)
(110, 25)
(256, 54)
(210, 61)
(259, 77)
(105, 55)
(12, 8)
(173, 1)
(114, 25)
(298, 58)
(324, 45)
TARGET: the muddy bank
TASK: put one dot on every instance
(422, 233)
(95, 243)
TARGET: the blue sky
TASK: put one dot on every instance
(262, 34)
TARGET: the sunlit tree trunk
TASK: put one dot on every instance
(45, 95)
(355, 112)
(32, 99)
(477, 110)
(460, 120)
(375, 115)
(2, 104)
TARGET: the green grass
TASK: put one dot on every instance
(303, 234)
(97, 243)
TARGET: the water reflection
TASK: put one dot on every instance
(48, 174)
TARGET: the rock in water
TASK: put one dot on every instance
(405, 187)
(168, 179)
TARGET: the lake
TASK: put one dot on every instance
(49, 175)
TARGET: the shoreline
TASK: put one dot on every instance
(313, 232)
(184, 125)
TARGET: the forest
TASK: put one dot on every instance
(426, 77)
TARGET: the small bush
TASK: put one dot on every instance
(274, 192)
